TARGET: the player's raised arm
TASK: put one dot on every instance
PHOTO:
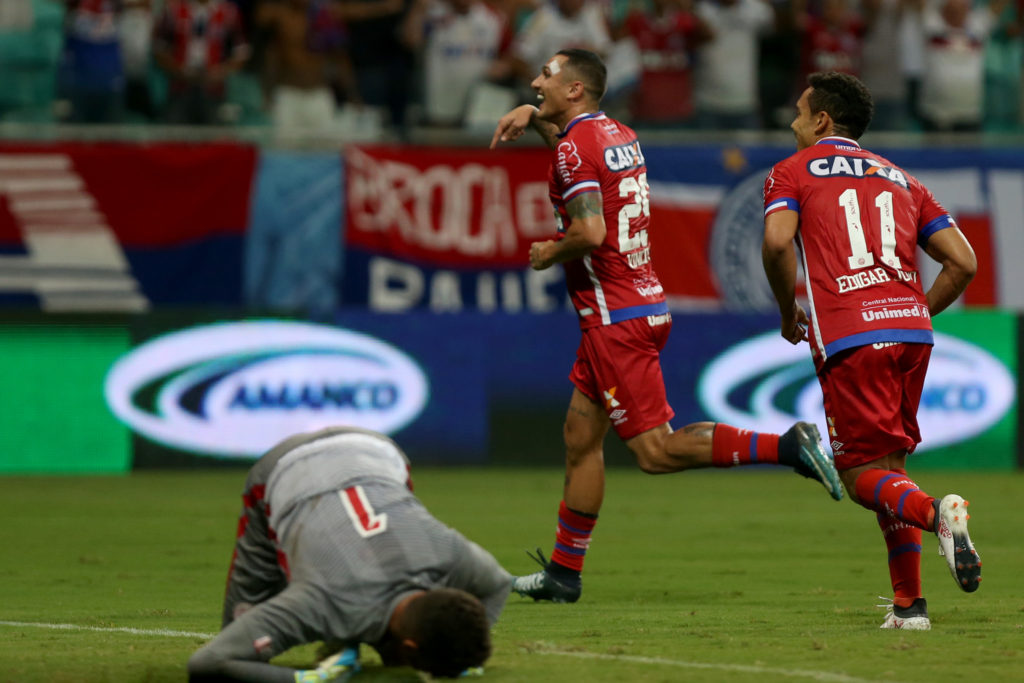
(959, 264)
(512, 125)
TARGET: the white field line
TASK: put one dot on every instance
(630, 659)
(112, 629)
(682, 664)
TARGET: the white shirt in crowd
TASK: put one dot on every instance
(197, 49)
(727, 68)
(911, 37)
(882, 56)
(547, 31)
(136, 38)
(458, 51)
(16, 15)
(952, 89)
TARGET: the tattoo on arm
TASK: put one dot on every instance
(585, 205)
(547, 131)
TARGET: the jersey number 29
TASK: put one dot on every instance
(641, 205)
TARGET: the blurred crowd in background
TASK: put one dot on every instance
(335, 65)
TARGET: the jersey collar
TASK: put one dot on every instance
(596, 115)
(838, 140)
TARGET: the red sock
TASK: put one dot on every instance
(572, 538)
(904, 543)
(731, 446)
(891, 492)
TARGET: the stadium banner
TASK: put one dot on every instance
(979, 396)
(293, 249)
(99, 395)
(219, 391)
(968, 411)
(448, 229)
(722, 186)
(474, 388)
(123, 227)
(55, 420)
(1020, 391)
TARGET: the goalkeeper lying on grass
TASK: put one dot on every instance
(334, 547)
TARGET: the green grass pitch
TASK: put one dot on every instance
(746, 576)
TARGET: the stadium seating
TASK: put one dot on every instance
(28, 60)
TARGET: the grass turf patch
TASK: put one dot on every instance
(752, 575)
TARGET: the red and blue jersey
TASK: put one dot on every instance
(616, 281)
(861, 220)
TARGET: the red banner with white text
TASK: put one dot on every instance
(450, 230)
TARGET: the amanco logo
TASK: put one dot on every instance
(236, 389)
(765, 384)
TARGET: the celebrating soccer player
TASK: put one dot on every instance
(598, 185)
(858, 220)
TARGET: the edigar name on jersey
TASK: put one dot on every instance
(855, 167)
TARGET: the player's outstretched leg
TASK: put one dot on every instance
(955, 543)
(553, 582)
(800, 448)
(913, 618)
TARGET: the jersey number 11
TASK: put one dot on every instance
(861, 257)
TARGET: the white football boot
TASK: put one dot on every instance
(913, 618)
(955, 543)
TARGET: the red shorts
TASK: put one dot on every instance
(871, 399)
(618, 366)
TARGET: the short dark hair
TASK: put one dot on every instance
(589, 68)
(451, 631)
(844, 98)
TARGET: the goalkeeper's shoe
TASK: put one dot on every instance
(339, 667)
(812, 460)
(913, 618)
(955, 543)
(543, 585)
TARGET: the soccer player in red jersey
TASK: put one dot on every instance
(858, 220)
(599, 189)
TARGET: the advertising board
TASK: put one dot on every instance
(54, 418)
(228, 390)
(968, 408)
(187, 390)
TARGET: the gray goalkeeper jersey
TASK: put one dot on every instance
(351, 542)
(256, 573)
